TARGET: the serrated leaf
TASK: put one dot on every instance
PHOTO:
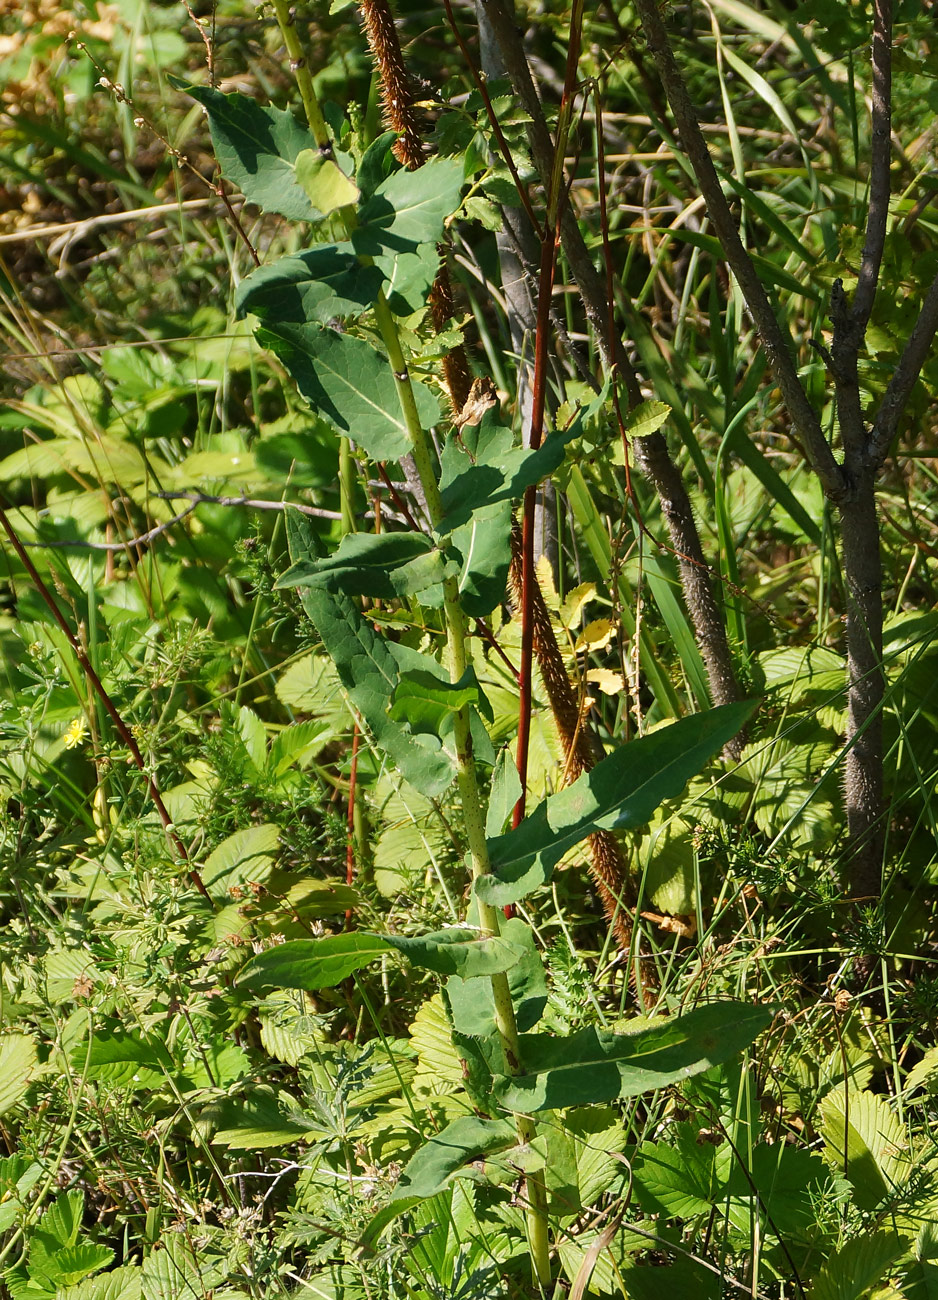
(863, 1137)
(325, 184)
(257, 149)
(621, 791)
(439, 1068)
(349, 384)
(18, 1063)
(119, 1284)
(125, 1060)
(60, 1225)
(925, 1072)
(319, 284)
(646, 418)
(857, 1267)
(594, 1066)
(243, 858)
(446, 1155)
(67, 1267)
(667, 1182)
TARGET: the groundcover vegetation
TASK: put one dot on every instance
(469, 677)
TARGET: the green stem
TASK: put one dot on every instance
(300, 68)
(470, 798)
(346, 486)
(458, 652)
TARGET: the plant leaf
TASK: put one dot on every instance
(369, 672)
(319, 284)
(18, 1062)
(326, 185)
(874, 1156)
(594, 1066)
(257, 149)
(493, 469)
(409, 208)
(323, 963)
(858, 1266)
(244, 857)
(472, 1006)
(621, 791)
(446, 1155)
(646, 418)
(381, 565)
(349, 384)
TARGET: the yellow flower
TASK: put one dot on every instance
(76, 733)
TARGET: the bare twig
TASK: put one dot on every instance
(88, 225)
(904, 378)
(251, 503)
(777, 345)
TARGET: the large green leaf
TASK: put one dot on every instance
(118, 1284)
(489, 468)
(320, 284)
(858, 1266)
(349, 384)
(369, 672)
(621, 791)
(409, 208)
(865, 1138)
(323, 963)
(472, 1006)
(257, 149)
(380, 565)
(484, 546)
(447, 1155)
(593, 1066)
(683, 1179)
(125, 1059)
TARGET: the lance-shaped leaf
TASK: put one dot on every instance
(257, 149)
(451, 1154)
(323, 963)
(621, 791)
(320, 284)
(593, 1066)
(369, 673)
(350, 384)
(381, 565)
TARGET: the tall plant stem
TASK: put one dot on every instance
(286, 21)
(458, 653)
(470, 797)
